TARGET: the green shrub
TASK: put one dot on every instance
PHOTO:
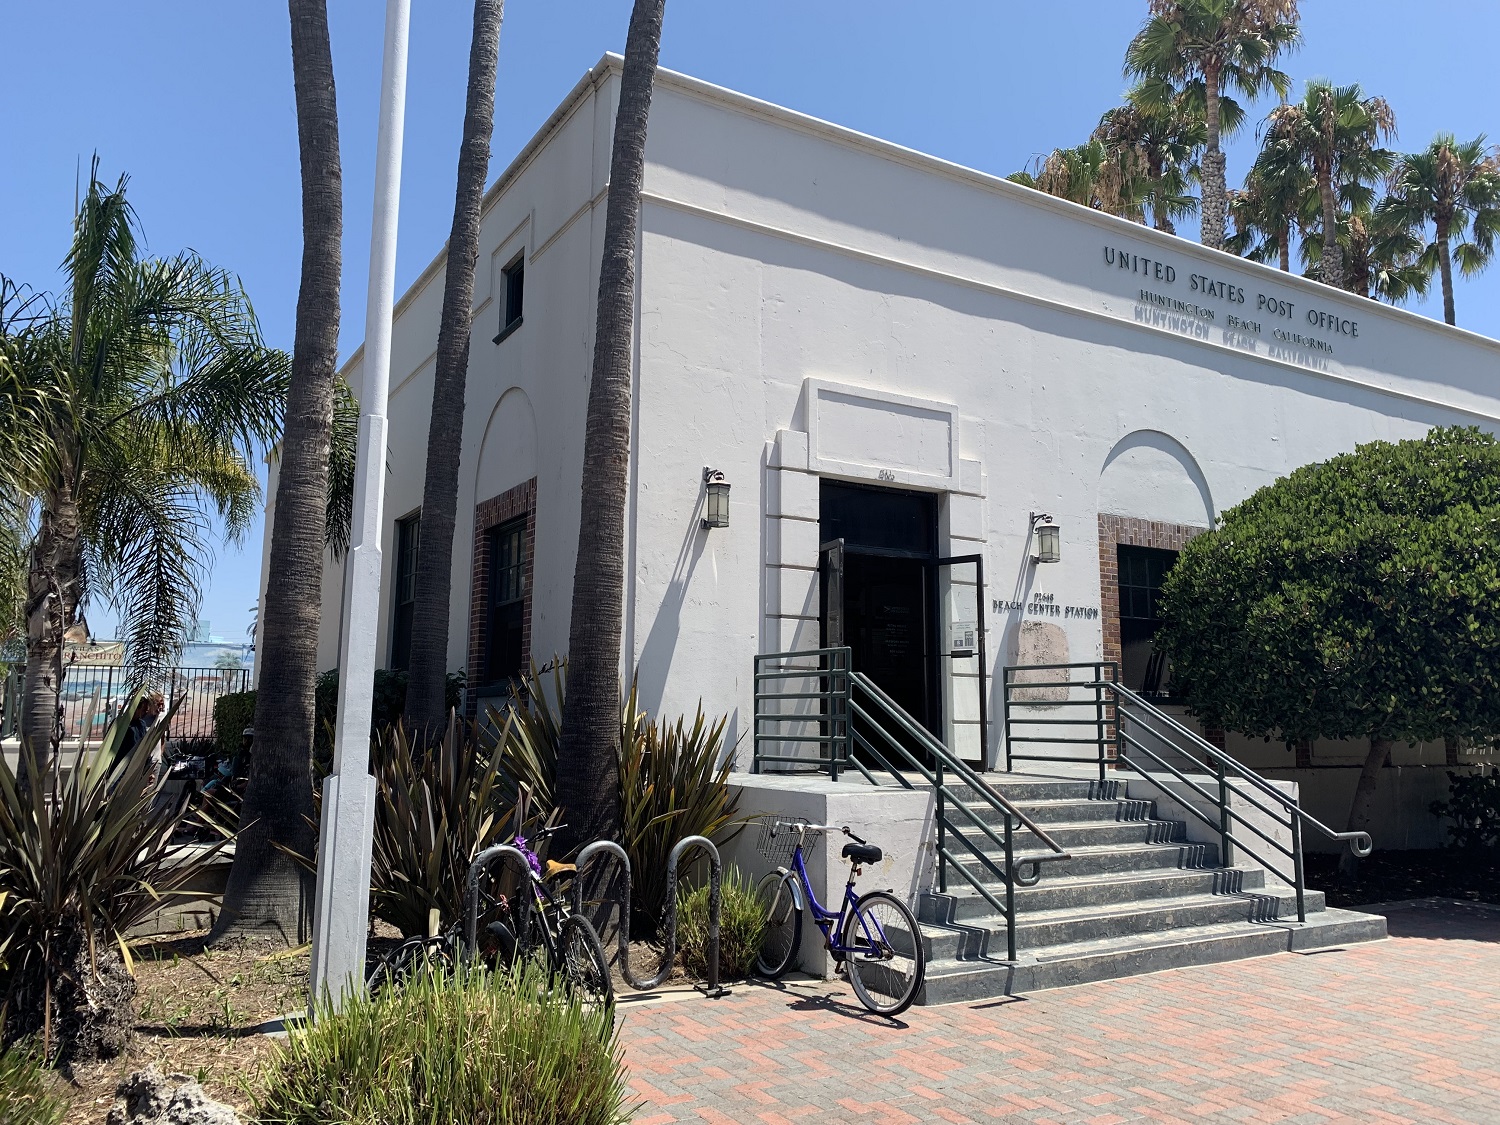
(27, 1092)
(385, 710)
(232, 714)
(742, 927)
(1474, 806)
(85, 855)
(477, 1047)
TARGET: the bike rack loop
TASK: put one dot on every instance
(477, 868)
(712, 988)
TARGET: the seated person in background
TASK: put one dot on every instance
(146, 713)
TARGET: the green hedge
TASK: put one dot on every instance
(232, 714)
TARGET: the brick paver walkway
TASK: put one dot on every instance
(1405, 1030)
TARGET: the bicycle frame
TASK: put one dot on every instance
(831, 924)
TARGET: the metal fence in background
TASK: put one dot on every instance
(93, 696)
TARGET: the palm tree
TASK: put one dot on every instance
(1269, 212)
(1155, 131)
(1094, 175)
(138, 405)
(588, 757)
(1455, 187)
(1381, 259)
(266, 887)
(1212, 46)
(1337, 134)
(427, 678)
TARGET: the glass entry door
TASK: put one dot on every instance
(962, 670)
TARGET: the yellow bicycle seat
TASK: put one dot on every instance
(553, 869)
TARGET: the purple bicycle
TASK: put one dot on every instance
(874, 938)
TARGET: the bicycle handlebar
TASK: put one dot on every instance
(802, 826)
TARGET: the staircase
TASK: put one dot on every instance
(1134, 896)
(1056, 878)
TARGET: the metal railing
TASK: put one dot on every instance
(93, 695)
(1143, 730)
(860, 727)
(1040, 698)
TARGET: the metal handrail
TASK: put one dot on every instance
(945, 761)
(1100, 720)
(1359, 842)
(1130, 707)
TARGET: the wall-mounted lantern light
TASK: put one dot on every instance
(1046, 539)
(716, 505)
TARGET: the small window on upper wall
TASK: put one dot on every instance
(513, 290)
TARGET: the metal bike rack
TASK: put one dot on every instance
(482, 863)
(712, 988)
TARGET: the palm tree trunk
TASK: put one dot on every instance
(266, 888)
(425, 708)
(1332, 266)
(1445, 268)
(1215, 186)
(51, 605)
(1284, 245)
(588, 759)
(1364, 796)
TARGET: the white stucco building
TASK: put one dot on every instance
(876, 345)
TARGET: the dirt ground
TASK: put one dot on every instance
(200, 1012)
(1388, 876)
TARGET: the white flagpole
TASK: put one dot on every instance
(342, 909)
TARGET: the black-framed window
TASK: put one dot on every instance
(513, 295)
(504, 645)
(1142, 570)
(407, 535)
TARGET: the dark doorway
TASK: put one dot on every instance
(1142, 570)
(878, 588)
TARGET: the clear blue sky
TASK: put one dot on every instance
(194, 101)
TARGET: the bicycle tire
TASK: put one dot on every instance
(410, 957)
(885, 960)
(777, 893)
(582, 963)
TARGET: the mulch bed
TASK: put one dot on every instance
(1396, 876)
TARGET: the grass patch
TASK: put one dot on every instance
(478, 1047)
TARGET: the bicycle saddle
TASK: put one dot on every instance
(553, 869)
(862, 853)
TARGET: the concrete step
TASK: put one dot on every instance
(950, 981)
(1092, 860)
(950, 937)
(1080, 834)
(1076, 812)
(1016, 788)
(1056, 892)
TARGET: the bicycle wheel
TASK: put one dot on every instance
(411, 957)
(582, 962)
(778, 949)
(885, 957)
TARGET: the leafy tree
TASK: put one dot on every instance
(1455, 187)
(266, 887)
(1337, 133)
(588, 774)
(1209, 47)
(1355, 598)
(134, 410)
(425, 713)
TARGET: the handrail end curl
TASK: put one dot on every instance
(1360, 844)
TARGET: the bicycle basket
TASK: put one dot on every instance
(777, 844)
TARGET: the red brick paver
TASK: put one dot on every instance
(1400, 1031)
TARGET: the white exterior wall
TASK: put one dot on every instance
(818, 303)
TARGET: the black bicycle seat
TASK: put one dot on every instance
(862, 853)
